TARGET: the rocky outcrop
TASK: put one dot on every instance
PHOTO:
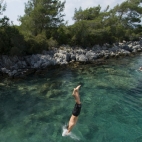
(21, 66)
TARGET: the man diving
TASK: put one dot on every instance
(76, 110)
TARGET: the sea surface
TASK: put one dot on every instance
(37, 108)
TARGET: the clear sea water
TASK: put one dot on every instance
(35, 109)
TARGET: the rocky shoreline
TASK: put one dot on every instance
(16, 67)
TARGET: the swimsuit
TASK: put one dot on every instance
(76, 110)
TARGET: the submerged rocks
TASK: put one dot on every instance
(26, 65)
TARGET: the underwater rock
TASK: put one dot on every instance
(54, 93)
(29, 71)
(19, 75)
(41, 71)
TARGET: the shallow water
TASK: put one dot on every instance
(37, 108)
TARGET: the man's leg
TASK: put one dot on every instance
(76, 94)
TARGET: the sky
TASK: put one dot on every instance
(16, 8)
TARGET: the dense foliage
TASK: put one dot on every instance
(94, 26)
(11, 41)
(42, 26)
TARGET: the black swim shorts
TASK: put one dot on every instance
(76, 110)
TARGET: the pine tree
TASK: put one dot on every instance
(42, 15)
(2, 7)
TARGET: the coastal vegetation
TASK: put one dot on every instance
(43, 27)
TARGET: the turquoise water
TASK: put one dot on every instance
(35, 109)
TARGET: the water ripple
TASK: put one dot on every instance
(35, 109)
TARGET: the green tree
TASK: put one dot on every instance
(94, 26)
(129, 13)
(3, 21)
(11, 41)
(64, 34)
(2, 7)
(87, 14)
(42, 16)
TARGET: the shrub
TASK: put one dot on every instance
(52, 43)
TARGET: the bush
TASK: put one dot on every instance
(9, 38)
(31, 45)
(52, 43)
(15, 51)
(36, 44)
